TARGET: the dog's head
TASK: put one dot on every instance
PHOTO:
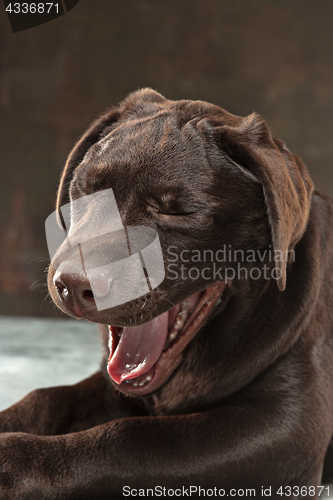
(214, 187)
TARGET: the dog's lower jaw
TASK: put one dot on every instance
(154, 369)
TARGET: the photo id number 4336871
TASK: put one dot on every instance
(32, 8)
(303, 491)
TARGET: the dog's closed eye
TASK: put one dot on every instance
(171, 206)
(171, 211)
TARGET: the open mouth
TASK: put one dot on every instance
(143, 357)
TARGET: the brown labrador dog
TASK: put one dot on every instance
(232, 391)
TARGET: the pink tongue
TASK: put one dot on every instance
(138, 349)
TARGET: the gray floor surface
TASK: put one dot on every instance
(43, 353)
(48, 352)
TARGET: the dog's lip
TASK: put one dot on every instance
(172, 352)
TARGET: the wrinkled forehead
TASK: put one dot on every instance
(154, 139)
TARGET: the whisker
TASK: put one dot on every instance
(39, 259)
(36, 284)
(44, 300)
(165, 298)
(158, 316)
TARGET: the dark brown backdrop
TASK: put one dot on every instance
(272, 56)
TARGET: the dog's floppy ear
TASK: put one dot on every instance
(286, 184)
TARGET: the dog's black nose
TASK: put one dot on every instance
(73, 289)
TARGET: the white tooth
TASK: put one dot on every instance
(144, 381)
(135, 384)
(173, 335)
(179, 323)
(110, 338)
